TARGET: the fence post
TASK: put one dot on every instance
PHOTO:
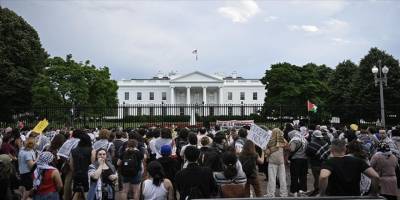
(280, 115)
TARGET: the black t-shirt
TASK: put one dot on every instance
(345, 175)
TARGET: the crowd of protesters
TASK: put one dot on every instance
(181, 163)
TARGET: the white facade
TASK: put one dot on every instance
(201, 88)
(195, 85)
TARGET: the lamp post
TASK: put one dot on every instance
(382, 80)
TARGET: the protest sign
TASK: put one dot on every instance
(41, 126)
(259, 136)
(234, 123)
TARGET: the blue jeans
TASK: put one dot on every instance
(48, 196)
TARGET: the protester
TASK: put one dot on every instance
(276, 164)
(195, 181)
(157, 186)
(231, 182)
(104, 143)
(171, 166)
(165, 138)
(317, 151)
(355, 149)
(249, 160)
(81, 158)
(26, 161)
(102, 175)
(340, 175)
(130, 164)
(47, 180)
(298, 162)
(384, 162)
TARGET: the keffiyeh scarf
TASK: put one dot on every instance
(42, 165)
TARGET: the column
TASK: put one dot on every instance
(220, 101)
(172, 95)
(187, 95)
(204, 95)
(221, 95)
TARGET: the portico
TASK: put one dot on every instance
(196, 88)
(196, 95)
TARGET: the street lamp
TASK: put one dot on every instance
(382, 80)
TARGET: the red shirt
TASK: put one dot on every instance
(47, 185)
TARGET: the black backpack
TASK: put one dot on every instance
(130, 163)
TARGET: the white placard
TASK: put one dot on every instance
(259, 136)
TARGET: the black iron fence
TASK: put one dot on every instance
(131, 116)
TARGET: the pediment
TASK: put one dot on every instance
(196, 77)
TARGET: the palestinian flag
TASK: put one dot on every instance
(311, 107)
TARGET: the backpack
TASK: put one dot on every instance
(211, 158)
(248, 166)
(130, 164)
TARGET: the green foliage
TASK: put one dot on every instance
(292, 86)
(366, 93)
(21, 59)
(68, 83)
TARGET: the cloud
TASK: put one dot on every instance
(327, 8)
(340, 41)
(270, 18)
(305, 28)
(336, 26)
(240, 12)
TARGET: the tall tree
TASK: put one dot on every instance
(21, 60)
(69, 83)
(289, 87)
(367, 94)
(342, 90)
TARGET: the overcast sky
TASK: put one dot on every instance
(136, 39)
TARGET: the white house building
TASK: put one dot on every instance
(143, 96)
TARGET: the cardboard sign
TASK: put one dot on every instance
(259, 136)
(41, 126)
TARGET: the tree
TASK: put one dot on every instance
(367, 94)
(21, 60)
(68, 83)
(289, 87)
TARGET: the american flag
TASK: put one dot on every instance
(195, 52)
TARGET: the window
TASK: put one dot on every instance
(181, 111)
(163, 96)
(230, 96)
(139, 96)
(254, 95)
(126, 95)
(151, 96)
(242, 96)
(139, 111)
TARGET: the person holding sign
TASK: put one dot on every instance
(249, 159)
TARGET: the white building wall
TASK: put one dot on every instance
(145, 86)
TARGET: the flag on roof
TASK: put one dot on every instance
(195, 52)
(311, 107)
